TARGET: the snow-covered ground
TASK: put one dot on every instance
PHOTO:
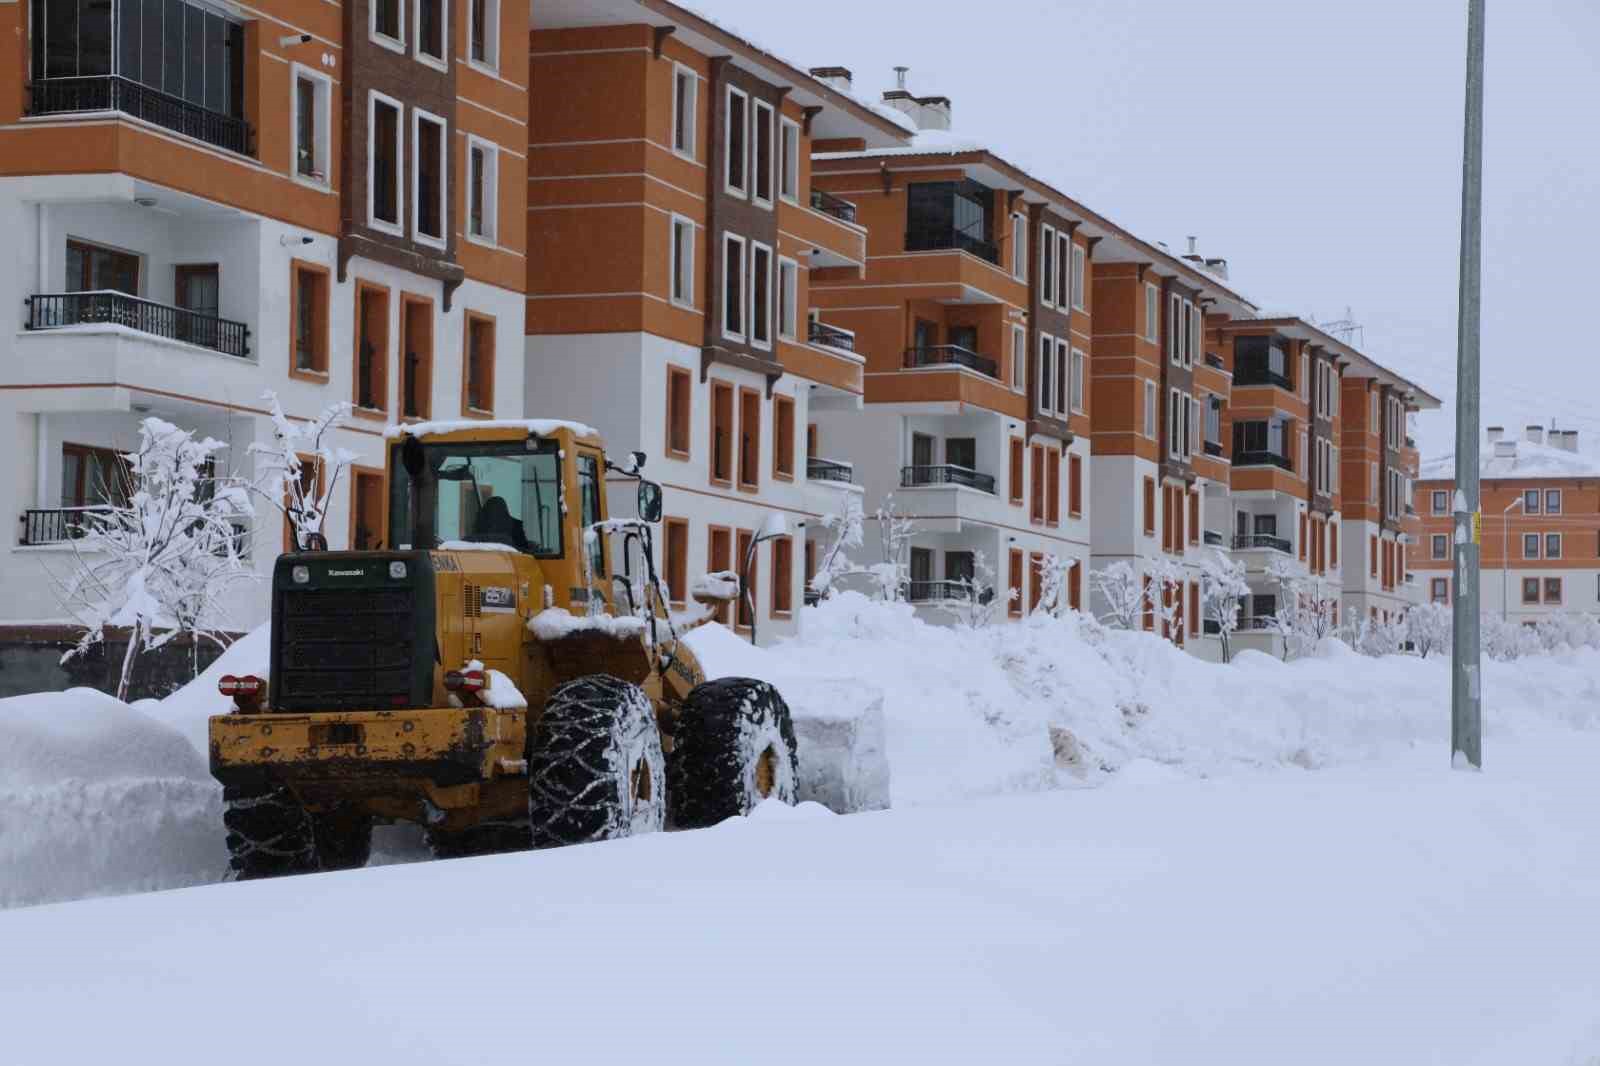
(1390, 912)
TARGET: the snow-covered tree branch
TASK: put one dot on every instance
(1053, 574)
(975, 604)
(1121, 594)
(283, 479)
(1223, 590)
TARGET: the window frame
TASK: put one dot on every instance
(788, 166)
(1019, 246)
(478, 320)
(781, 601)
(1537, 540)
(490, 63)
(1559, 585)
(677, 270)
(720, 389)
(787, 294)
(1019, 359)
(1552, 501)
(1047, 269)
(742, 190)
(1080, 267)
(1152, 312)
(1439, 546)
(675, 565)
(1064, 261)
(1553, 540)
(742, 275)
(1538, 589)
(763, 198)
(676, 374)
(321, 134)
(1047, 358)
(1074, 485)
(743, 396)
(1435, 496)
(1079, 372)
(780, 437)
(440, 62)
(490, 173)
(319, 371)
(442, 241)
(393, 44)
(424, 394)
(1152, 417)
(380, 363)
(686, 112)
(397, 228)
(757, 249)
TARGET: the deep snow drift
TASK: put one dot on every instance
(1393, 912)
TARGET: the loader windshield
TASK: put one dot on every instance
(497, 493)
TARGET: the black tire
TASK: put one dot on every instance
(733, 747)
(595, 768)
(343, 839)
(485, 838)
(269, 833)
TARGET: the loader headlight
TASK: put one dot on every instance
(397, 570)
(301, 574)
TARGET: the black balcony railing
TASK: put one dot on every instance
(56, 310)
(1257, 624)
(938, 239)
(1246, 378)
(1261, 540)
(1262, 459)
(951, 355)
(1214, 448)
(1213, 538)
(829, 204)
(943, 592)
(108, 92)
(55, 525)
(921, 476)
(1215, 360)
(830, 470)
(832, 336)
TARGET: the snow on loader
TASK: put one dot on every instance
(507, 677)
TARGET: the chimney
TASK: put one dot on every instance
(1219, 267)
(1496, 434)
(1505, 449)
(1566, 440)
(928, 112)
(1534, 434)
(834, 78)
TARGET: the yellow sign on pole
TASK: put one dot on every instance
(1477, 527)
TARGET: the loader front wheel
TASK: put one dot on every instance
(485, 838)
(595, 768)
(733, 747)
(269, 833)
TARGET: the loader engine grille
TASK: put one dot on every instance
(345, 649)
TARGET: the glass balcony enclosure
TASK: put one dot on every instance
(179, 65)
(951, 214)
(1261, 361)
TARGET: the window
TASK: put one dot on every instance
(1019, 358)
(788, 299)
(1530, 545)
(1152, 313)
(719, 558)
(383, 162)
(733, 286)
(782, 576)
(685, 102)
(1530, 501)
(93, 476)
(1063, 364)
(1552, 545)
(1439, 590)
(310, 117)
(591, 486)
(760, 295)
(308, 296)
(1552, 591)
(763, 153)
(1213, 420)
(90, 267)
(783, 436)
(1149, 506)
(1150, 409)
(1373, 555)
(680, 389)
(1015, 448)
(388, 26)
(1175, 329)
(749, 438)
(1014, 581)
(1075, 485)
(1075, 587)
(1552, 501)
(1036, 495)
(1192, 437)
(367, 509)
(789, 160)
(1261, 361)
(1305, 375)
(1064, 263)
(1047, 267)
(416, 354)
(1079, 266)
(675, 559)
(1077, 381)
(951, 214)
(483, 190)
(682, 261)
(1441, 546)
(1019, 246)
(1047, 359)
(484, 31)
(721, 432)
(372, 348)
(478, 388)
(734, 149)
(745, 615)
(1053, 486)
(1441, 502)
(428, 142)
(1530, 590)
(433, 20)
(1035, 579)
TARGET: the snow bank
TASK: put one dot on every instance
(97, 798)
(554, 623)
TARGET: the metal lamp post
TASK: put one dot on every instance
(1505, 557)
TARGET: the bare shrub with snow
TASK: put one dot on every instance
(1223, 590)
(1119, 590)
(1053, 573)
(1428, 627)
(846, 533)
(894, 537)
(159, 565)
(976, 603)
(1308, 607)
(1163, 593)
(283, 479)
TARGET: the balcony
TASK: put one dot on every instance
(1244, 378)
(1214, 361)
(951, 355)
(1257, 624)
(831, 205)
(104, 307)
(912, 477)
(1214, 449)
(942, 592)
(935, 239)
(1258, 541)
(830, 336)
(55, 525)
(830, 470)
(108, 92)
(1262, 459)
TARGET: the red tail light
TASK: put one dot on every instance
(464, 680)
(246, 690)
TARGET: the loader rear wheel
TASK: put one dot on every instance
(595, 768)
(733, 747)
(485, 838)
(269, 833)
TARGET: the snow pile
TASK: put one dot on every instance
(540, 427)
(555, 623)
(721, 585)
(97, 798)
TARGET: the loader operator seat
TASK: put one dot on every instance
(497, 525)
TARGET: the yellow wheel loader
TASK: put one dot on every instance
(508, 676)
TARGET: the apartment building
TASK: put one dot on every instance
(205, 203)
(678, 237)
(1540, 551)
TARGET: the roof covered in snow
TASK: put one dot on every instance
(1527, 460)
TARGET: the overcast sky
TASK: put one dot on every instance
(1315, 144)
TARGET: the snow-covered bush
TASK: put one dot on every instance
(845, 528)
(1223, 590)
(158, 565)
(1562, 632)
(1053, 571)
(1163, 593)
(1506, 641)
(302, 494)
(1379, 637)
(1428, 627)
(976, 604)
(894, 536)
(1308, 607)
(1120, 591)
